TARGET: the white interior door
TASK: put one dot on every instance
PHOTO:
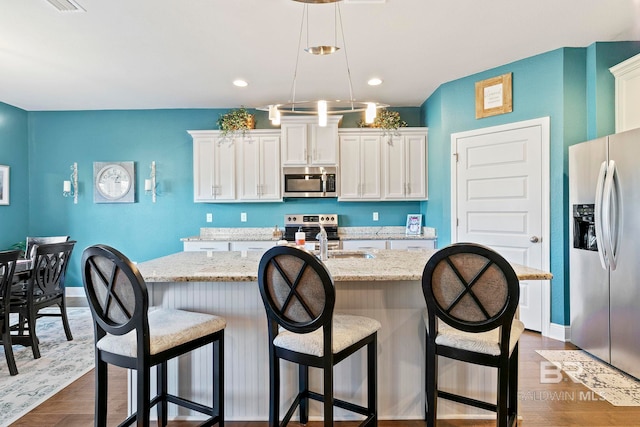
(500, 198)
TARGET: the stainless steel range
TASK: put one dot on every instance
(310, 225)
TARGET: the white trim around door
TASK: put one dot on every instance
(542, 126)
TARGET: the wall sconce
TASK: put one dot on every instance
(150, 183)
(70, 188)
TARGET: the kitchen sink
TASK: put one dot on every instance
(350, 254)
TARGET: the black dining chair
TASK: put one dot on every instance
(299, 297)
(7, 267)
(33, 241)
(472, 295)
(130, 335)
(45, 287)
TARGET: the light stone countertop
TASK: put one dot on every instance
(387, 265)
(239, 234)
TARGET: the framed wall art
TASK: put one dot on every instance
(113, 182)
(494, 96)
(4, 185)
(414, 225)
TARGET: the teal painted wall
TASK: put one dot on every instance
(601, 84)
(13, 153)
(144, 230)
(568, 85)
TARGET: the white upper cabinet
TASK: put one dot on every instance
(359, 167)
(404, 171)
(213, 167)
(241, 169)
(627, 74)
(305, 143)
(259, 168)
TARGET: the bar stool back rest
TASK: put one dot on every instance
(298, 292)
(299, 297)
(472, 295)
(7, 267)
(130, 335)
(118, 307)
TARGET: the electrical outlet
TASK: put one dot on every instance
(209, 217)
(243, 217)
(375, 216)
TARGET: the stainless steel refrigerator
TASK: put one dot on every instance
(604, 197)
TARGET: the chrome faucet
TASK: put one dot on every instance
(324, 243)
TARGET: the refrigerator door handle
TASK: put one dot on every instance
(609, 202)
(602, 254)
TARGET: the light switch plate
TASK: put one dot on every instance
(209, 217)
(375, 216)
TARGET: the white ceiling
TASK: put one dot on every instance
(147, 54)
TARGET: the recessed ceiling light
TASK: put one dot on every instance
(374, 82)
(240, 83)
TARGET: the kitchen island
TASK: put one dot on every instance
(386, 286)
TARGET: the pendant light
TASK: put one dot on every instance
(322, 108)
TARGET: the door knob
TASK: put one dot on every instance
(534, 239)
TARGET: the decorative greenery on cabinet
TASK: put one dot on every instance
(235, 122)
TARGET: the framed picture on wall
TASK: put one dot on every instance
(414, 225)
(493, 96)
(4, 185)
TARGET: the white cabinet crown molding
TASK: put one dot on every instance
(627, 93)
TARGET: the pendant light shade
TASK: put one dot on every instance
(322, 113)
(370, 113)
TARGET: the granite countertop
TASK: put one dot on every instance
(240, 234)
(387, 265)
(384, 233)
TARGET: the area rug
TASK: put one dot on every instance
(61, 363)
(616, 387)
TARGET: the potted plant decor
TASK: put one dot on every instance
(388, 121)
(235, 122)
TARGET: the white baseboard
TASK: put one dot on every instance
(75, 291)
(559, 332)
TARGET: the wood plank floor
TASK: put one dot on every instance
(540, 404)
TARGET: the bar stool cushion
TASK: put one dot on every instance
(347, 330)
(168, 328)
(479, 342)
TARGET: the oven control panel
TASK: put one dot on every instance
(307, 219)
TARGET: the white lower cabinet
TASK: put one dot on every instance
(363, 245)
(205, 246)
(400, 244)
(259, 246)
(412, 244)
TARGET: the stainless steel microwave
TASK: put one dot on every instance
(310, 181)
